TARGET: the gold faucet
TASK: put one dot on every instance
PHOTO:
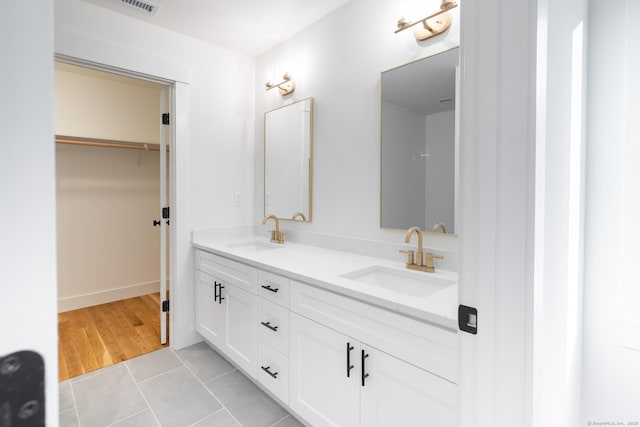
(415, 262)
(277, 236)
(299, 214)
(439, 225)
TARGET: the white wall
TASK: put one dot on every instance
(560, 148)
(439, 173)
(338, 61)
(214, 125)
(27, 186)
(611, 364)
(403, 172)
(107, 247)
(93, 104)
(106, 197)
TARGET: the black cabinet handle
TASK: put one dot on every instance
(269, 288)
(217, 292)
(349, 365)
(220, 297)
(268, 371)
(268, 325)
(364, 375)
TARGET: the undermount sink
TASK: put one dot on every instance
(407, 282)
(254, 246)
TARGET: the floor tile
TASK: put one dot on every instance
(152, 364)
(107, 397)
(92, 374)
(220, 419)
(245, 401)
(65, 397)
(68, 418)
(141, 419)
(289, 421)
(205, 363)
(177, 398)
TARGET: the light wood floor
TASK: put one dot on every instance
(94, 337)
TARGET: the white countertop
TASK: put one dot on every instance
(324, 268)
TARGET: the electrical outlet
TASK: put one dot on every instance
(237, 199)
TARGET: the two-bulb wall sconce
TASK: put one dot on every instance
(432, 25)
(287, 86)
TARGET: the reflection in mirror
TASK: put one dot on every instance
(418, 172)
(288, 160)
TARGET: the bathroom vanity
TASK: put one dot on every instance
(338, 338)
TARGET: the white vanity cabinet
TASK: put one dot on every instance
(273, 333)
(321, 392)
(210, 313)
(227, 307)
(334, 360)
(339, 379)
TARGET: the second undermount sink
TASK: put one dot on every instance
(254, 246)
(407, 282)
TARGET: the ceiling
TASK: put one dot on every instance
(251, 27)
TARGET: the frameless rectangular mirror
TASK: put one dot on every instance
(288, 160)
(418, 154)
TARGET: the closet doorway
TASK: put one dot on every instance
(112, 140)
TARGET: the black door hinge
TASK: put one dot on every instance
(165, 213)
(165, 306)
(468, 319)
(165, 118)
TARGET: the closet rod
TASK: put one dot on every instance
(101, 143)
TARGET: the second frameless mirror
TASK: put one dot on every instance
(418, 154)
(288, 160)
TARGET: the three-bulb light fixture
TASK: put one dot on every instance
(432, 25)
(285, 87)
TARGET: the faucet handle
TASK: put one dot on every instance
(409, 253)
(429, 259)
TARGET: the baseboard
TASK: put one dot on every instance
(109, 295)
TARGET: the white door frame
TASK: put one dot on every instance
(497, 152)
(74, 49)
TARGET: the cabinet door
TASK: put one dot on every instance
(210, 315)
(320, 391)
(241, 338)
(399, 394)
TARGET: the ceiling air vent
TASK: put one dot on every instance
(142, 6)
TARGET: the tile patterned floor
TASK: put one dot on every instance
(192, 387)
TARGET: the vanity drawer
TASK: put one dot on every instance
(273, 371)
(273, 287)
(273, 325)
(241, 275)
(422, 344)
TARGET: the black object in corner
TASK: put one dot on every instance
(22, 390)
(468, 319)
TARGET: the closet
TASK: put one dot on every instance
(108, 132)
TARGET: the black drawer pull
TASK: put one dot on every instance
(364, 375)
(269, 288)
(349, 365)
(268, 371)
(268, 325)
(217, 292)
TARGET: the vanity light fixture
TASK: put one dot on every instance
(432, 25)
(287, 86)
